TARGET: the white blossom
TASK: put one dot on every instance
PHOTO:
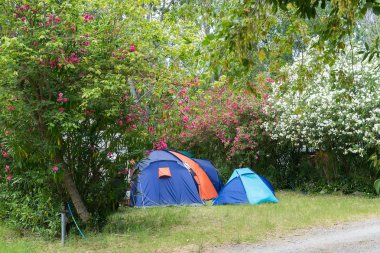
(328, 111)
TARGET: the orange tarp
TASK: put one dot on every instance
(206, 188)
(164, 172)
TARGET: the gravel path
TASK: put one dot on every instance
(355, 237)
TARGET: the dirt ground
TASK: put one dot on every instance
(354, 237)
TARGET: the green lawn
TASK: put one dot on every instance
(165, 229)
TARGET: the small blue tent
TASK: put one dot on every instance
(164, 183)
(245, 187)
(266, 181)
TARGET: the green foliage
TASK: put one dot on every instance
(249, 37)
(27, 204)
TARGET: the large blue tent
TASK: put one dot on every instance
(164, 183)
(211, 172)
(206, 165)
(245, 187)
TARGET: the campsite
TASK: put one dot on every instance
(189, 126)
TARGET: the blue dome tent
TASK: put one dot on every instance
(266, 181)
(206, 167)
(164, 183)
(211, 172)
(245, 187)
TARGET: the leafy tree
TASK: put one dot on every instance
(77, 82)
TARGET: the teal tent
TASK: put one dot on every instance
(188, 154)
(245, 187)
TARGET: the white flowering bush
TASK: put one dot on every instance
(328, 107)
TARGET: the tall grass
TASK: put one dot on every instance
(194, 228)
(12, 242)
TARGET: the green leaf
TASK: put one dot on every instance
(376, 185)
(376, 10)
(245, 62)
(365, 56)
(371, 57)
(323, 4)
(261, 55)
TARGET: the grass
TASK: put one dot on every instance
(10, 242)
(194, 228)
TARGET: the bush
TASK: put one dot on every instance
(30, 206)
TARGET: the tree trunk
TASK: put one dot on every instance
(75, 197)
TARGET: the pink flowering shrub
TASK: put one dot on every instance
(217, 122)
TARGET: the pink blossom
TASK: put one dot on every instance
(186, 109)
(7, 169)
(60, 94)
(5, 154)
(11, 108)
(23, 19)
(57, 20)
(25, 7)
(61, 109)
(65, 100)
(41, 24)
(55, 169)
(151, 129)
(73, 59)
(52, 64)
(88, 17)
(9, 178)
(109, 154)
(59, 99)
(269, 80)
(86, 43)
(163, 145)
(73, 28)
(160, 145)
(132, 48)
(185, 119)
